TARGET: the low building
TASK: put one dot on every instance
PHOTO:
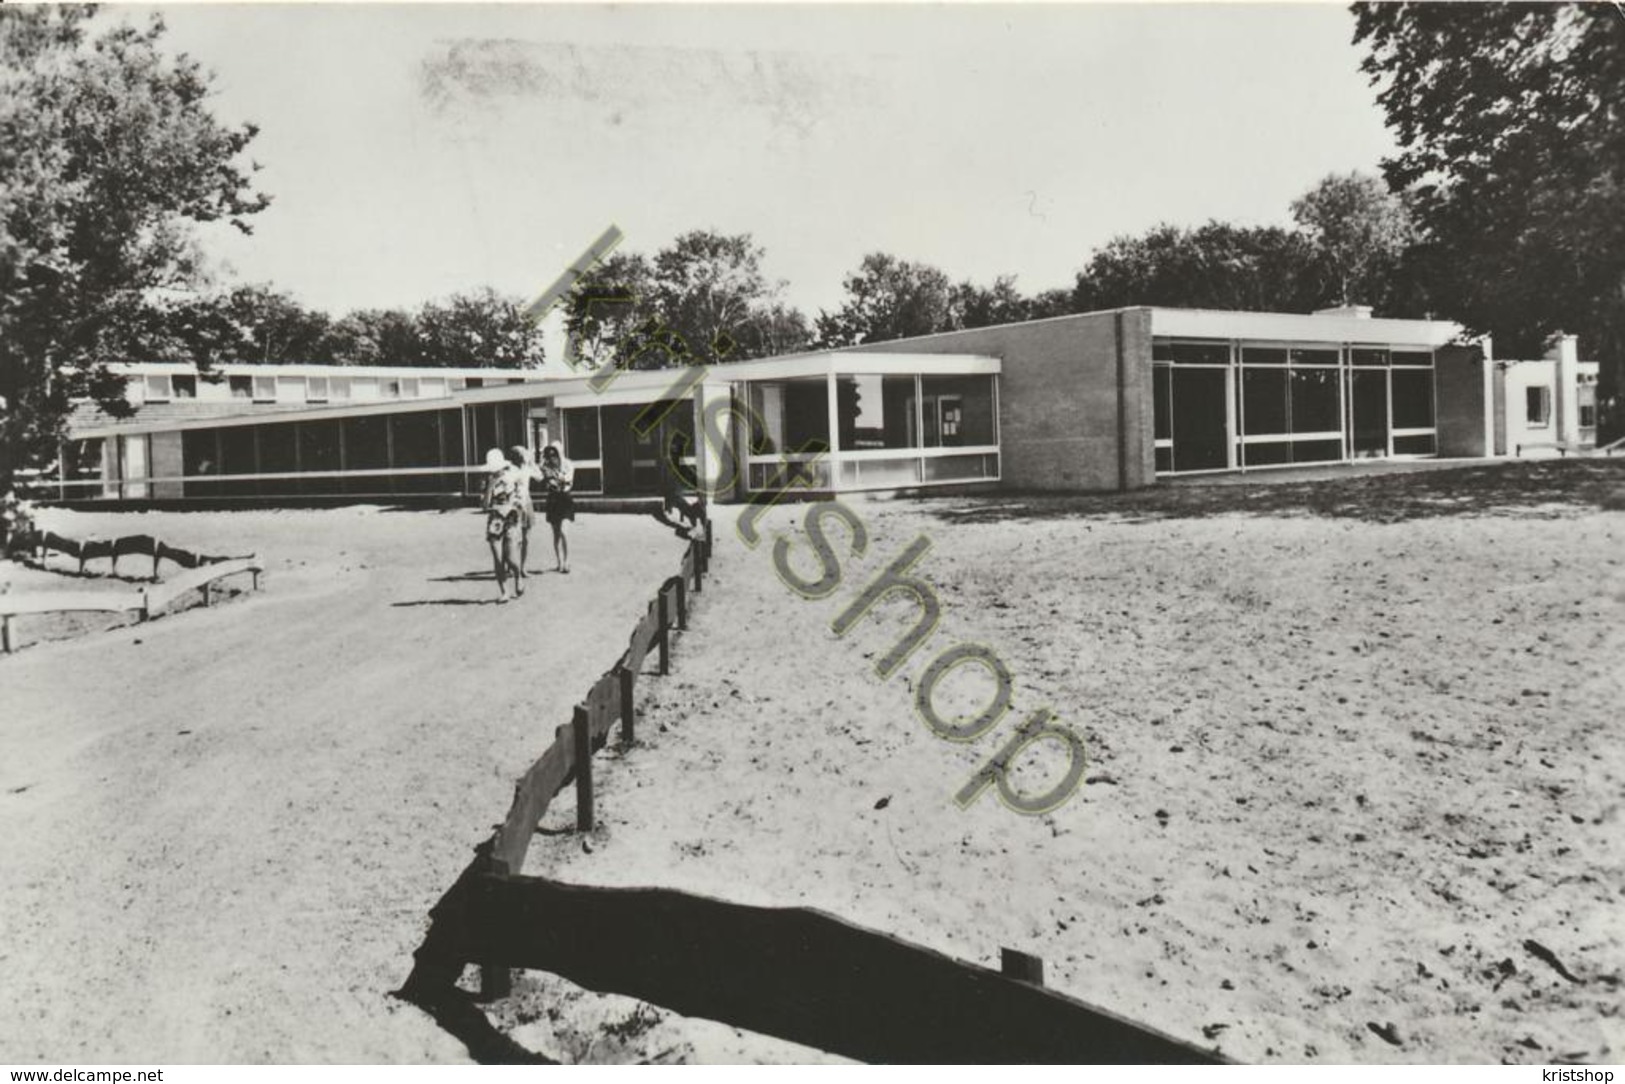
(1097, 401)
(1546, 405)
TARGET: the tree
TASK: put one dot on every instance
(478, 330)
(708, 285)
(277, 330)
(1510, 120)
(375, 337)
(971, 306)
(1360, 229)
(1048, 303)
(606, 307)
(770, 330)
(1215, 266)
(888, 298)
(108, 155)
(703, 298)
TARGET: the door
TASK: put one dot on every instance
(1368, 405)
(135, 466)
(1199, 429)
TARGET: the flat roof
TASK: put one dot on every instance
(244, 368)
(1301, 327)
(634, 386)
(648, 385)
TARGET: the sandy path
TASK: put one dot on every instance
(223, 829)
(1341, 772)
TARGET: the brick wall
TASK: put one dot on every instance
(1459, 403)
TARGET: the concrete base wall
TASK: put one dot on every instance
(1075, 400)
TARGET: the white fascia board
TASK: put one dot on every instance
(391, 372)
(1287, 327)
(855, 361)
(134, 426)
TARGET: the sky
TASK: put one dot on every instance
(413, 151)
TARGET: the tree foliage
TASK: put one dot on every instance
(1361, 230)
(1510, 120)
(482, 329)
(889, 298)
(703, 298)
(1215, 266)
(108, 154)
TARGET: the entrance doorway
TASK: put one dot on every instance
(1368, 409)
(1199, 429)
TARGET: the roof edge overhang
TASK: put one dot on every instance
(1287, 327)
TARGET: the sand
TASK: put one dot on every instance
(224, 829)
(1340, 772)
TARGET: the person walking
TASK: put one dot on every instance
(525, 472)
(558, 475)
(501, 505)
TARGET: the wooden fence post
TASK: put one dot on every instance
(583, 744)
(682, 604)
(628, 708)
(697, 549)
(5, 632)
(495, 982)
(665, 634)
(1021, 966)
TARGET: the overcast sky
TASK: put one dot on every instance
(414, 151)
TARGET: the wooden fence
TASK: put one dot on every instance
(41, 543)
(793, 973)
(202, 573)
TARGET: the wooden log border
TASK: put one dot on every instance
(797, 974)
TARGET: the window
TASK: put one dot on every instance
(1263, 355)
(1368, 358)
(409, 388)
(242, 387)
(184, 385)
(958, 411)
(265, 389)
(317, 389)
(391, 389)
(1423, 358)
(157, 389)
(338, 388)
(1198, 353)
(876, 412)
(1538, 407)
(581, 433)
(1314, 401)
(1587, 403)
(474, 382)
(1307, 356)
(1264, 402)
(1413, 398)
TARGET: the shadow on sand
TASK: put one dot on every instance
(1543, 489)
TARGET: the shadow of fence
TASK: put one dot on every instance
(797, 974)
